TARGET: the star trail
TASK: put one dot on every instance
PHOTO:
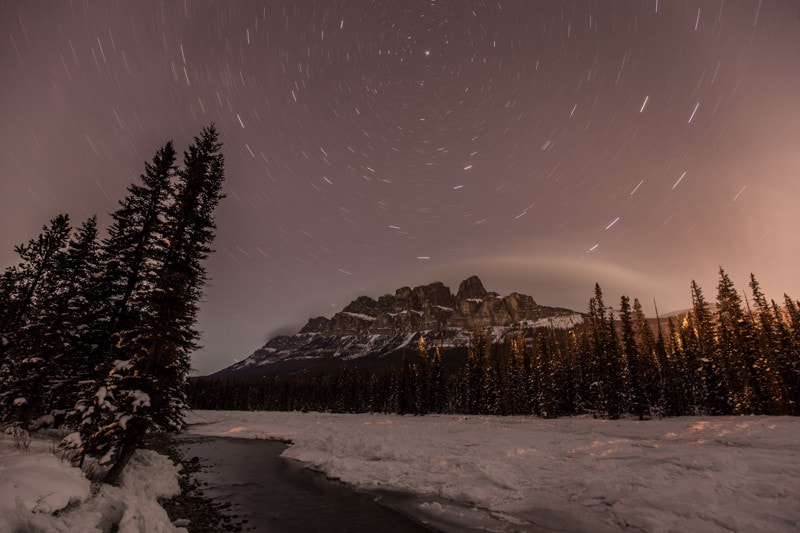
(543, 146)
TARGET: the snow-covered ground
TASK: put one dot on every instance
(35, 483)
(670, 475)
(680, 474)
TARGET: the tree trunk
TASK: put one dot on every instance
(129, 446)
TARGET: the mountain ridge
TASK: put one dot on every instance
(378, 331)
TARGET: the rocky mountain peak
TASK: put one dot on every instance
(471, 289)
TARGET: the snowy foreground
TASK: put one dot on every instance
(34, 484)
(680, 474)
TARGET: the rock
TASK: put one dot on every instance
(471, 289)
(315, 325)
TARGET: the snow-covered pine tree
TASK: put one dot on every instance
(608, 381)
(788, 321)
(422, 385)
(769, 365)
(29, 341)
(549, 394)
(646, 343)
(638, 400)
(735, 347)
(438, 385)
(58, 335)
(134, 239)
(75, 314)
(520, 362)
(144, 388)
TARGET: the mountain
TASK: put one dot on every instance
(377, 332)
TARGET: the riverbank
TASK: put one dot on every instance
(191, 508)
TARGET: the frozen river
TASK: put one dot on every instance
(275, 494)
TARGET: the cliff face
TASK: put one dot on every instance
(388, 325)
(432, 308)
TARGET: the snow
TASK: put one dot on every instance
(579, 474)
(558, 322)
(360, 316)
(34, 484)
(498, 473)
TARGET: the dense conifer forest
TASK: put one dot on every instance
(96, 334)
(738, 356)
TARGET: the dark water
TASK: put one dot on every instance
(275, 494)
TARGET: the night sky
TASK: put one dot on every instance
(543, 146)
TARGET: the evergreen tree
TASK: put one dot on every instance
(422, 383)
(789, 360)
(475, 374)
(69, 318)
(30, 339)
(519, 368)
(144, 387)
(438, 385)
(608, 378)
(405, 388)
(769, 364)
(735, 347)
(711, 394)
(549, 394)
(135, 244)
(132, 250)
(637, 371)
(646, 344)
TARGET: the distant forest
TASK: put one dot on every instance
(738, 357)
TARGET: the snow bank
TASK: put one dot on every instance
(35, 483)
(681, 474)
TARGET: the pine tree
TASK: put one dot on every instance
(30, 342)
(519, 368)
(70, 315)
(422, 383)
(608, 378)
(637, 371)
(405, 388)
(646, 344)
(786, 322)
(549, 395)
(438, 385)
(475, 374)
(735, 347)
(769, 364)
(711, 394)
(132, 250)
(144, 388)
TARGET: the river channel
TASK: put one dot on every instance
(274, 494)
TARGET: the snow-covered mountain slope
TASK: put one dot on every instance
(379, 331)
